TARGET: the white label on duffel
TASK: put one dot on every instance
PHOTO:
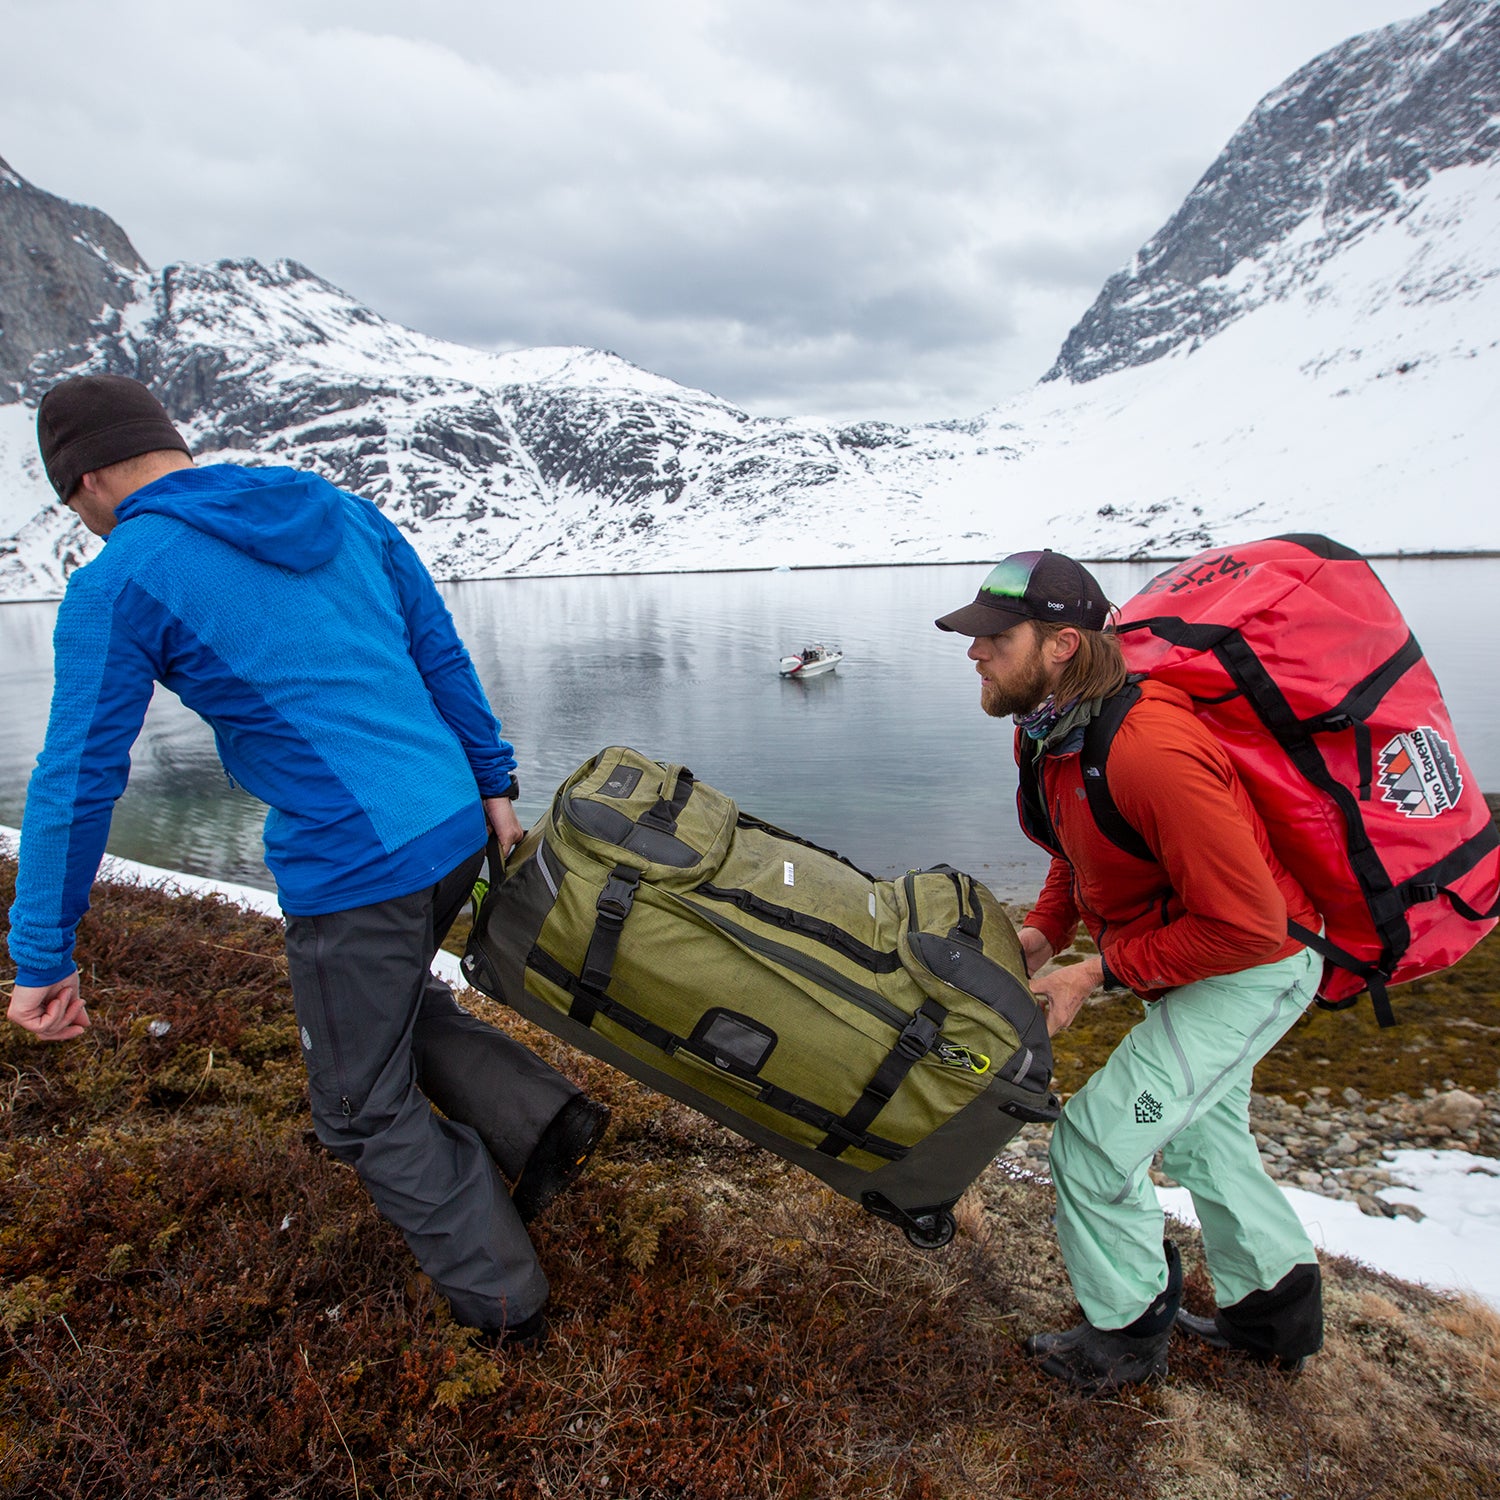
(788, 874)
(872, 903)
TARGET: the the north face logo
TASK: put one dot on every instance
(1147, 1110)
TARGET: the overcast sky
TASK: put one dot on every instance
(843, 208)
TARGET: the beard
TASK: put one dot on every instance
(1020, 693)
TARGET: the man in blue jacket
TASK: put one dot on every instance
(301, 625)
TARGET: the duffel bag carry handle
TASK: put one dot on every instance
(492, 873)
(665, 814)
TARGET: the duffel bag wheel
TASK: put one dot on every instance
(931, 1231)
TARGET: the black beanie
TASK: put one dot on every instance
(92, 421)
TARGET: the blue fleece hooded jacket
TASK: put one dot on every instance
(301, 625)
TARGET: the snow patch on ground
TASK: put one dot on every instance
(1452, 1248)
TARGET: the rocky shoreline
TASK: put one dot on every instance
(1332, 1142)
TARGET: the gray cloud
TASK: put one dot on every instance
(856, 208)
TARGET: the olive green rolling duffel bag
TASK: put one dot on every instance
(879, 1033)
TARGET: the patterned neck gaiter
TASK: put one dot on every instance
(1040, 722)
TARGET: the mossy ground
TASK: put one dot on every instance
(197, 1301)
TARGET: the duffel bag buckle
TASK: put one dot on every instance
(615, 899)
(917, 1039)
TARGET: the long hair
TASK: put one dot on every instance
(1097, 668)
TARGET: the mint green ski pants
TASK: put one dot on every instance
(1179, 1083)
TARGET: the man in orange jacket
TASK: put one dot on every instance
(1199, 932)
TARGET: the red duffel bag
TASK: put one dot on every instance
(1298, 658)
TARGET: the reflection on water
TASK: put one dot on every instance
(888, 759)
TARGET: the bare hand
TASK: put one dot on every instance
(1034, 948)
(1063, 991)
(500, 813)
(54, 1012)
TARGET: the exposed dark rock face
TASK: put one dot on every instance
(62, 266)
(1342, 143)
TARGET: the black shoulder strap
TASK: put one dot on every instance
(1031, 801)
(1098, 736)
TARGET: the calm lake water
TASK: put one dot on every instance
(888, 759)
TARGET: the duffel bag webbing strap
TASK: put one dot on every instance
(970, 922)
(1376, 979)
(1295, 736)
(1427, 885)
(668, 1042)
(494, 858)
(494, 872)
(1358, 704)
(916, 1040)
(598, 1004)
(1435, 881)
(613, 906)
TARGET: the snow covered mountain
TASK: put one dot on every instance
(547, 461)
(1312, 342)
(1347, 144)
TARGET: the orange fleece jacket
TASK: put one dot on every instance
(1214, 901)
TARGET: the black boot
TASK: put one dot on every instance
(1095, 1360)
(1042, 1344)
(559, 1154)
(529, 1333)
(1279, 1327)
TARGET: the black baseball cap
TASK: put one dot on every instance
(1032, 586)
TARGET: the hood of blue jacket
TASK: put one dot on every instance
(282, 516)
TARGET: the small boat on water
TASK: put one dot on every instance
(811, 661)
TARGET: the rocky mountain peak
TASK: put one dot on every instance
(62, 266)
(1342, 143)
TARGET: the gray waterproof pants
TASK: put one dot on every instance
(382, 1037)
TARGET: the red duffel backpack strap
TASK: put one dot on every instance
(1098, 736)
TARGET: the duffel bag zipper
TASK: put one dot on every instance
(970, 917)
(808, 968)
(815, 929)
